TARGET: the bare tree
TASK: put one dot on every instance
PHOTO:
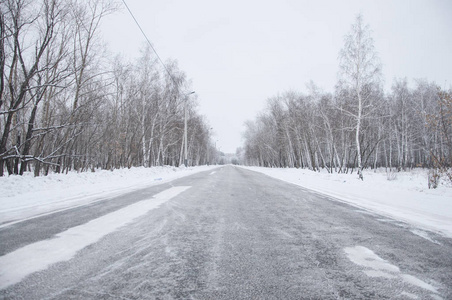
(64, 106)
(441, 155)
(25, 21)
(360, 73)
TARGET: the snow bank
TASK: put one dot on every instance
(27, 196)
(405, 198)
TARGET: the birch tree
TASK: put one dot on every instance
(360, 73)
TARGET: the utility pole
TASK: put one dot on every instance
(185, 130)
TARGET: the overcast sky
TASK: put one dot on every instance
(238, 53)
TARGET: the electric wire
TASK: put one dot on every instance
(152, 47)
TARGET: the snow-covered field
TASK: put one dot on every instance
(405, 198)
(26, 196)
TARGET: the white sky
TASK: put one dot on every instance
(238, 53)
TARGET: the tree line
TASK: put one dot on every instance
(66, 105)
(359, 125)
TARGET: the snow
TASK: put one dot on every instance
(405, 198)
(368, 259)
(417, 282)
(16, 265)
(23, 197)
(375, 266)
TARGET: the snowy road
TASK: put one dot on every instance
(223, 234)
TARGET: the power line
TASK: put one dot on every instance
(152, 47)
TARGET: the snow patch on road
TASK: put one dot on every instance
(367, 258)
(406, 199)
(417, 282)
(38, 256)
(375, 266)
(424, 235)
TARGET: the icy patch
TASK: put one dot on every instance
(375, 266)
(367, 258)
(424, 235)
(417, 282)
(212, 172)
(35, 257)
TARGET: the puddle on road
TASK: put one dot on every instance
(375, 266)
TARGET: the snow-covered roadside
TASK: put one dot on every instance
(406, 198)
(26, 196)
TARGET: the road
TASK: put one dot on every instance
(234, 234)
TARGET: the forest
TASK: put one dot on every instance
(358, 126)
(66, 104)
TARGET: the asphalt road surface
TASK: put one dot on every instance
(236, 234)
